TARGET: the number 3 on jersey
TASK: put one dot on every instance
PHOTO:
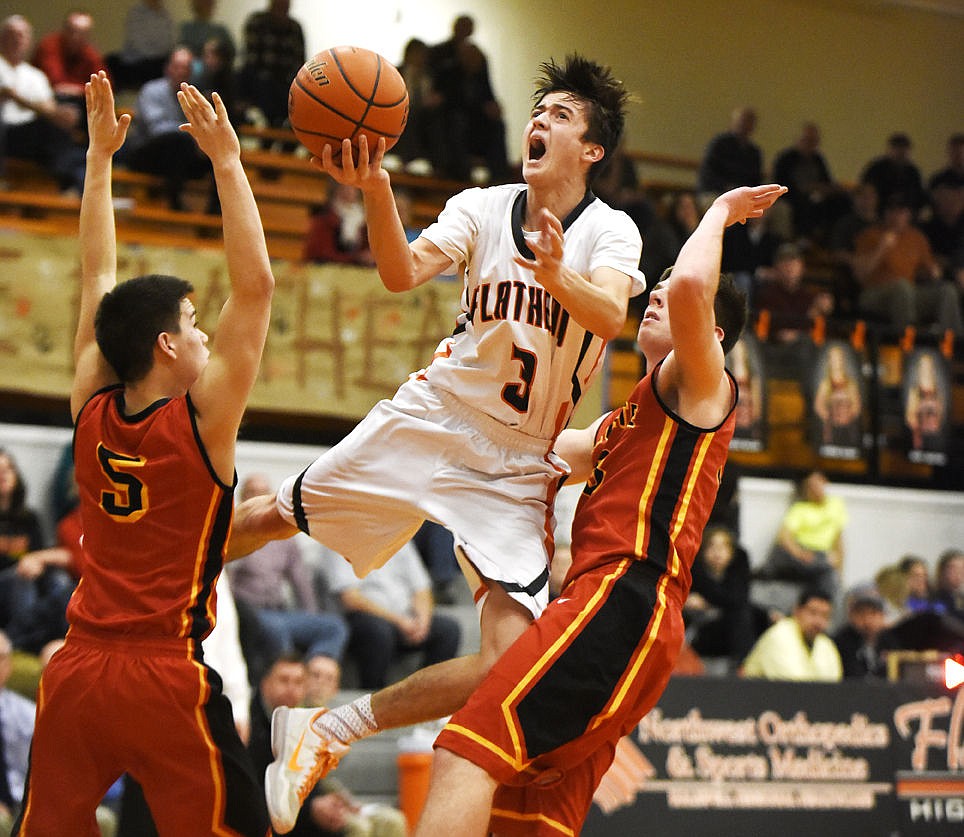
(516, 395)
(129, 501)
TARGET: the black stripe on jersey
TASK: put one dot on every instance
(578, 685)
(519, 214)
(668, 492)
(301, 519)
(213, 564)
(587, 339)
(530, 589)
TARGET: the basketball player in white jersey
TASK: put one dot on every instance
(548, 270)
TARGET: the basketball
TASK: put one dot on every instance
(344, 92)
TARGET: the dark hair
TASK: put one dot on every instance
(945, 558)
(809, 593)
(909, 561)
(130, 317)
(600, 89)
(730, 309)
(18, 497)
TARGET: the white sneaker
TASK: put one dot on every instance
(302, 757)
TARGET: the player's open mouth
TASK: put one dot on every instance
(537, 149)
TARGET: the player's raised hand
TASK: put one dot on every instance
(749, 201)
(364, 172)
(208, 123)
(107, 131)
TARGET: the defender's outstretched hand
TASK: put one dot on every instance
(749, 201)
(208, 124)
(107, 131)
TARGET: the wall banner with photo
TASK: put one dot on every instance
(838, 404)
(925, 399)
(748, 366)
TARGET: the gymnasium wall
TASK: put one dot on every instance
(860, 68)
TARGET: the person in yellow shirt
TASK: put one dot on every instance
(797, 647)
(809, 543)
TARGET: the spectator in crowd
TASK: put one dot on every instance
(891, 585)
(670, 227)
(863, 641)
(330, 810)
(809, 544)
(797, 647)
(273, 52)
(148, 41)
(748, 253)
(202, 27)
(33, 126)
(815, 199)
(436, 547)
(337, 231)
(720, 619)
(895, 173)
(157, 145)
(323, 679)
(842, 243)
(68, 59)
(899, 277)
(944, 226)
(423, 140)
(917, 583)
(275, 577)
(215, 74)
(406, 213)
(949, 583)
(391, 614)
(793, 304)
(16, 728)
(732, 158)
(953, 173)
(470, 112)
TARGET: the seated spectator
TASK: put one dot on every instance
(16, 725)
(148, 41)
(329, 810)
(797, 647)
(424, 136)
(276, 583)
(732, 158)
(895, 173)
(815, 199)
(863, 641)
(273, 52)
(891, 585)
(156, 145)
(899, 277)
(748, 252)
(842, 244)
(406, 214)
(68, 59)
(949, 583)
(793, 305)
(216, 75)
(809, 543)
(33, 126)
(391, 615)
(944, 227)
(953, 173)
(719, 616)
(323, 679)
(917, 584)
(337, 231)
(669, 228)
(201, 28)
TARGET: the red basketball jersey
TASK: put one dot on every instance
(156, 521)
(662, 477)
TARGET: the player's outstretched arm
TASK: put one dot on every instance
(695, 278)
(221, 392)
(98, 240)
(401, 266)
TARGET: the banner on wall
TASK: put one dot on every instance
(338, 341)
(748, 366)
(839, 402)
(926, 403)
(733, 756)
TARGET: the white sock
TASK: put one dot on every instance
(348, 723)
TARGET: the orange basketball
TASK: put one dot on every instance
(345, 92)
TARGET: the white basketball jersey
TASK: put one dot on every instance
(516, 354)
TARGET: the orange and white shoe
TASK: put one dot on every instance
(302, 757)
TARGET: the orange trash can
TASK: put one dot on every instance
(414, 770)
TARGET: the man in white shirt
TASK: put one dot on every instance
(32, 125)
